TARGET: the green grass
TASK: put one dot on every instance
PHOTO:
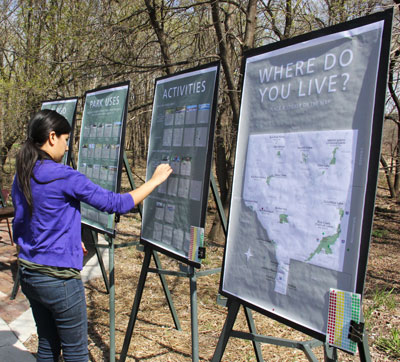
(391, 344)
(379, 233)
(385, 298)
(382, 298)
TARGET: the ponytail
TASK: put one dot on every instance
(39, 128)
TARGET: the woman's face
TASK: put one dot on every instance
(60, 147)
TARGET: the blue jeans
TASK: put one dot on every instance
(59, 310)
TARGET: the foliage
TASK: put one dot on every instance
(381, 298)
(53, 48)
(379, 233)
(391, 344)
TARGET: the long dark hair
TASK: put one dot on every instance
(39, 128)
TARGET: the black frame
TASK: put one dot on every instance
(73, 123)
(121, 148)
(376, 134)
(206, 185)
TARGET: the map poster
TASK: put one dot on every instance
(182, 134)
(101, 147)
(305, 171)
(67, 108)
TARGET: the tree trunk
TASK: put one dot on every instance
(226, 61)
(224, 160)
(388, 177)
(395, 188)
(396, 185)
(216, 232)
(161, 37)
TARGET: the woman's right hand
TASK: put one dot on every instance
(161, 173)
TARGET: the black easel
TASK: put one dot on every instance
(330, 353)
(188, 272)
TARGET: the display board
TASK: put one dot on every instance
(101, 147)
(182, 134)
(305, 171)
(67, 108)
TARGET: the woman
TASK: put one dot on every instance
(47, 230)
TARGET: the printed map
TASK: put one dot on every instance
(299, 186)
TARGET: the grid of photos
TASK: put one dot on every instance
(186, 129)
(99, 157)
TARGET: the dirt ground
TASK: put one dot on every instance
(155, 339)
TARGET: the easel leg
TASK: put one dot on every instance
(330, 353)
(135, 307)
(16, 286)
(100, 259)
(252, 328)
(363, 349)
(194, 318)
(167, 292)
(233, 309)
(111, 298)
(9, 232)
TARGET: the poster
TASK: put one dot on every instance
(182, 133)
(67, 108)
(305, 172)
(101, 146)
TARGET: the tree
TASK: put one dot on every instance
(42, 57)
(54, 48)
(391, 150)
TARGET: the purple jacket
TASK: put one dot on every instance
(52, 236)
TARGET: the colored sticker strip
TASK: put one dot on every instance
(343, 308)
(196, 241)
